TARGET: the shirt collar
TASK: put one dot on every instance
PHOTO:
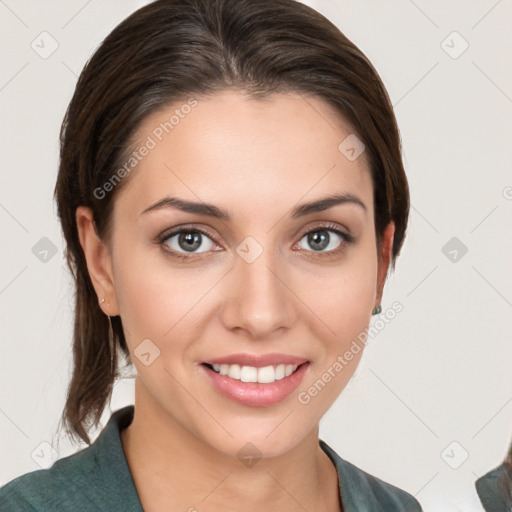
(355, 486)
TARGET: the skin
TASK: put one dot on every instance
(257, 159)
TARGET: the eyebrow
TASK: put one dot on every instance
(210, 210)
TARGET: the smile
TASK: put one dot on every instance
(265, 375)
(256, 381)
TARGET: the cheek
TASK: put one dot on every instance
(345, 307)
(153, 306)
(159, 301)
(148, 299)
(344, 295)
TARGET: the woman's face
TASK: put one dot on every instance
(244, 283)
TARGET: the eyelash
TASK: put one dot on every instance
(164, 237)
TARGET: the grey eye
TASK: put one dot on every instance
(189, 241)
(321, 239)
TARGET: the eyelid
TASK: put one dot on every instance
(185, 227)
(347, 240)
(328, 226)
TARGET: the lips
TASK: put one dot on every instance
(263, 374)
(256, 380)
(258, 361)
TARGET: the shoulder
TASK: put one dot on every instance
(57, 488)
(362, 491)
(495, 489)
(95, 478)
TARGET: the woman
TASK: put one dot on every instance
(232, 196)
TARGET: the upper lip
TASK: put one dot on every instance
(258, 360)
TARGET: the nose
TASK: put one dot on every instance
(259, 299)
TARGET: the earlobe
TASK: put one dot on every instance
(99, 262)
(384, 259)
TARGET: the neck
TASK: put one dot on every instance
(173, 469)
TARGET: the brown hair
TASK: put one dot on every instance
(170, 50)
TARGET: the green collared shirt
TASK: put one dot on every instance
(495, 489)
(98, 479)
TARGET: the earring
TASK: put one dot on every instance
(102, 301)
(111, 341)
(112, 345)
(377, 310)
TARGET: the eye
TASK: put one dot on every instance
(188, 242)
(325, 239)
(185, 241)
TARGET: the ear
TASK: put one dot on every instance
(99, 261)
(384, 259)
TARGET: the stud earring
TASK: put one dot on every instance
(377, 310)
(102, 301)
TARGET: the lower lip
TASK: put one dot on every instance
(256, 394)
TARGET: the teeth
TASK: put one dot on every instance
(249, 374)
(234, 371)
(280, 371)
(265, 375)
(289, 369)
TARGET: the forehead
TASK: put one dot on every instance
(229, 148)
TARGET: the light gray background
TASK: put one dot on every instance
(438, 373)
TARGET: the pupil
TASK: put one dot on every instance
(319, 239)
(190, 241)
